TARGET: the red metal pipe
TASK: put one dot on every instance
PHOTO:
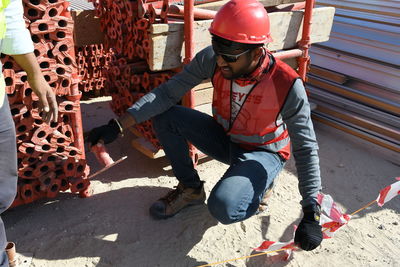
(188, 100)
(164, 11)
(198, 13)
(288, 54)
(189, 44)
(27, 172)
(73, 152)
(44, 168)
(75, 96)
(27, 193)
(101, 154)
(305, 43)
(40, 135)
(53, 188)
(10, 80)
(79, 185)
(28, 150)
(68, 107)
(189, 29)
(77, 121)
(46, 148)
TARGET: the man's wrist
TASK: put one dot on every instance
(312, 212)
(126, 121)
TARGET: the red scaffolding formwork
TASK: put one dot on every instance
(51, 157)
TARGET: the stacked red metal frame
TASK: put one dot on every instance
(51, 158)
(128, 76)
(93, 62)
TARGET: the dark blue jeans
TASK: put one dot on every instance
(8, 170)
(238, 193)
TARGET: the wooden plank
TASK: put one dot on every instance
(166, 46)
(328, 74)
(166, 40)
(135, 132)
(205, 84)
(286, 27)
(147, 148)
(266, 3)
(86, 28)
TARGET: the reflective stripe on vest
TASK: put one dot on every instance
(3, 5)
(254, 139)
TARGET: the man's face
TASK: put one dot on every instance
(233, 62)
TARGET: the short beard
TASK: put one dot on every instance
(242, 72)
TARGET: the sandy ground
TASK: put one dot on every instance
(113, 228)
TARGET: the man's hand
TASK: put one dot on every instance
(47, 99)
(309, 234)
(107, 133)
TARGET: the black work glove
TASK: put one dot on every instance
(309, 233)
(107, 133)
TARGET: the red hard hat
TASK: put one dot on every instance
(242, 21)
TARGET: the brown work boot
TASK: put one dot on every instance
(176, 200)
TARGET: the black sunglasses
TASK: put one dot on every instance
(230, 58)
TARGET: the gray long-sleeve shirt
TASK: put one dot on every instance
(295, 114)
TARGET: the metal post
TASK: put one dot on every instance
(304, 43)
(188, 99)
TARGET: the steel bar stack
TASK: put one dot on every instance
(51, 158)
(355, 76)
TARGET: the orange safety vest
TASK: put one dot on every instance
(258, 123)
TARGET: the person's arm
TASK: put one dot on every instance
(296, 114)
(39, 86)
(17, 43)
(168, 94)
(159, 99)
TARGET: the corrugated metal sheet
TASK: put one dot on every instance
(81, 5)
(368, 39)
(362, 94)
(357, 67)
(384, 7)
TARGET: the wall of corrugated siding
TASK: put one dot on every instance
(364, 48)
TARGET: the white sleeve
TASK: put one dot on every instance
(17, 39)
